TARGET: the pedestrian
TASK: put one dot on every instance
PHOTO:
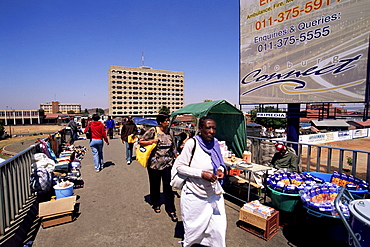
(74, 129)
(83, 123)
(98, 136)
(110, 125)
(202, 202)
(160, 163)
(128, 128)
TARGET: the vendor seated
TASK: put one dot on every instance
(282, 161)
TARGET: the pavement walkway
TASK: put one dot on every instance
(114, 211)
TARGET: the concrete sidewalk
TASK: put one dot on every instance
(114, 211)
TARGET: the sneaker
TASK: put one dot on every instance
(128, 162)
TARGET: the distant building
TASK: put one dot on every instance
(56, 107)
(17, 116)
(142, 91)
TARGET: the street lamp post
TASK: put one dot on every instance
(6, 120)
(10, 126)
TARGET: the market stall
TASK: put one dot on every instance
(55, 174)
(230, 122)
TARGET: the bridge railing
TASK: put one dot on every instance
(318, 158)
(15, 189)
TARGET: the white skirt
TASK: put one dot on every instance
(204, 219)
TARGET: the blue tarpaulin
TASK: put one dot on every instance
(145, 121)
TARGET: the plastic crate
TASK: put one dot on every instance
(235, 172)
(259, 226)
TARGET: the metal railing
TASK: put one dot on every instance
(15, 189)
(319, 158)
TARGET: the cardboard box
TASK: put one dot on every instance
(57, 212)
(257, 225)
(56, 219)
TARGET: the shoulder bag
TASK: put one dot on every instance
(131, 138)
(178, 180)
(88, 132)
(143, 152)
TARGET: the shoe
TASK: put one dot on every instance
(97, 171)
(128, 162)
(173, 217)
(157, 209)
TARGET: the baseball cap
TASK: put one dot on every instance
(280, 147)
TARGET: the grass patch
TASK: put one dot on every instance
(8, 141)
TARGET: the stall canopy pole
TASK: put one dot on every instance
(293, 124)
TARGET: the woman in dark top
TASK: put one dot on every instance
(160, 163)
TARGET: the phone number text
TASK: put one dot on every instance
(293, 39)
(293, 13)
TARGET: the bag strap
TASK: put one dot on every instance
(193, 150)
(155, 132)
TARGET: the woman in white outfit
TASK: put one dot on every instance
(202, 202)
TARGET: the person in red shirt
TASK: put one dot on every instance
(98, 136)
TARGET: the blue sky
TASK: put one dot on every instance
(62, 49)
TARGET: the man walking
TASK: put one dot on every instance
(109, 125)
(128, 128)
(74, 128)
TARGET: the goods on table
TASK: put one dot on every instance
(320, 197)
(258, 208)
(349, 181)
(317, 193)
(292, 182)
(64, 184)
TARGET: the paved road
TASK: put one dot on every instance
(114, 211)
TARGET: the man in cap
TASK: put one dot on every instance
(282, 161)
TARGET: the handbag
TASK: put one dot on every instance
(131, 138)
(178, 180)
(88, 132)
(143, 152)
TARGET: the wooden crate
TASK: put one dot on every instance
(257, 225)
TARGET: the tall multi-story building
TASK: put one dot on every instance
(56, 107)
(142, 91)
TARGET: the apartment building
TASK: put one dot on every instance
(18, 116)
(56, 107)
(142, 91)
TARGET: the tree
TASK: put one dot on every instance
(268, 122)
(99, 111)
(164, 110)
(70, 112)
(2, 129)
(207, 100)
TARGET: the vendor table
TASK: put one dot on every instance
(254, 168)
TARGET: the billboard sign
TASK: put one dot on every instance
(303, 51)
(271, 114)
